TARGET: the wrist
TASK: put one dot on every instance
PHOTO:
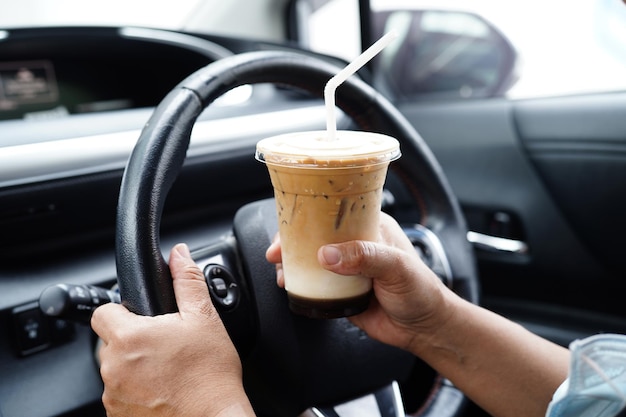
(234, 404)
(434, 331)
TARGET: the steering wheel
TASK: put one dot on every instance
(289, 362)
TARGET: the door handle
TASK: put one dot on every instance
(497, 244)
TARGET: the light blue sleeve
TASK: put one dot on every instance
(596, 384)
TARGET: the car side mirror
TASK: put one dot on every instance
(442, 54)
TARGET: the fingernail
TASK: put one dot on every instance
(183, 250)
(331, 255)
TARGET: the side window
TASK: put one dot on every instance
(441, 55)
(331, 27)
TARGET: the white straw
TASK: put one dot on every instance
(341, 76)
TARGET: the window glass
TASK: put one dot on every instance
(456, 49)
(331, 27)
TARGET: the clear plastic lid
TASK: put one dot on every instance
(313, 149)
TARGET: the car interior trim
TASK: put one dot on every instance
(181, 40)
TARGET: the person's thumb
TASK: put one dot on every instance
(190, 288)
(358, 257)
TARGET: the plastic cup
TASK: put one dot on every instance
(326, 191)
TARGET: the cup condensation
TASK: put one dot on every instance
(326, 192)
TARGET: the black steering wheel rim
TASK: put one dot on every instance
(143, 274)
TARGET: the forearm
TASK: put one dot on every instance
(501, 366)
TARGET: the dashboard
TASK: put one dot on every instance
(89, 70)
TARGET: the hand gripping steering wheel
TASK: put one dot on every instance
(290, 363)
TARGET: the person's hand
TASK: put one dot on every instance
(500, 365)
(181, 364)
(409, 300)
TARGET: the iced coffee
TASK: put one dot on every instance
(326, 191)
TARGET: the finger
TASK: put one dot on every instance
(359, 257)
(108, 317)
(99, 349)
(273, 253)
(190, 288)
(280, 276)
(392, 234)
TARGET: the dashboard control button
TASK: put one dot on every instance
(31, 329)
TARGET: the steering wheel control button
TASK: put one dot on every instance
(222, 286)
(219, 286)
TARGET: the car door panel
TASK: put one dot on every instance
(488, 149)
(578, 145)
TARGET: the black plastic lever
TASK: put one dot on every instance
(75, 302)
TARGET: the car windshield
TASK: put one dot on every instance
(164, 14)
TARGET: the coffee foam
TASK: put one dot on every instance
(314, 149)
